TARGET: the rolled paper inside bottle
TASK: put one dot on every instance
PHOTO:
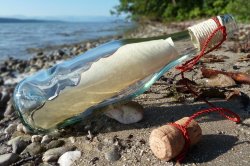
(167, 141)
(105, 78)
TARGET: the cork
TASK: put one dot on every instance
(167, 141)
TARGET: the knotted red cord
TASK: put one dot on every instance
(188, 66)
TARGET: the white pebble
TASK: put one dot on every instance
(19, 127)
(26, 130)
(46, 139)
(68, 158)
(131, 112)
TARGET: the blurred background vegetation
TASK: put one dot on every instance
(179, 10)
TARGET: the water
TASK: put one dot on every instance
(16, 38)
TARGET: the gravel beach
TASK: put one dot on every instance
(104, 141)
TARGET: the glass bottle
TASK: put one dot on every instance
(112, 73)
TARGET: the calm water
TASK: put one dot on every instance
(16, 38)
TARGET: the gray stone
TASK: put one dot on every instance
(113, 154)
(10, 129)
(8, 159)
(9, 109)
(34, 149)
(18, 146)
(54, 144)
(25, 138)
(54, 154)
(68, 158)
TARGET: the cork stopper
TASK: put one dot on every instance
(167, 141)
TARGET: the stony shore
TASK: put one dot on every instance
(107, 142)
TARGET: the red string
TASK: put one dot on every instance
(188, 66)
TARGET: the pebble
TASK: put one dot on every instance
(26, 130)
(34, 148)
(113, 154)
(68, 158)
(23, 129)
(8, 159)
(246, 121)
(53, 154)
(25, 138)
(54, 144)
(220, 80)
(19, 127)
(46, 139)
(36, 138)
(72, 140)
(131, 112)
(10, 129)
(19, 145)
(9, 109)
(5, 149)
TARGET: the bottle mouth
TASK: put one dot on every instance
(229, 22)
(199, 33)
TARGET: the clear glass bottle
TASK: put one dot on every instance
(112, 73)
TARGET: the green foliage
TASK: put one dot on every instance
(178, 10)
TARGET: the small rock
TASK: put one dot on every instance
(26, 130)
(246, 121)
(8, 159)
(20, 127)
(34, 149)
(25, 138)
(72, 140)
(36, 138)
(10, 129)
(131, 112)
(23, 129)
(46, 139)
(53, 154)
(68, 158)
(55, 134)
(54, 144)
(18, 146)
(88, 45)
(93, 161)
(220, 80)
(9, 109)
(5, 149)
(113, 154)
